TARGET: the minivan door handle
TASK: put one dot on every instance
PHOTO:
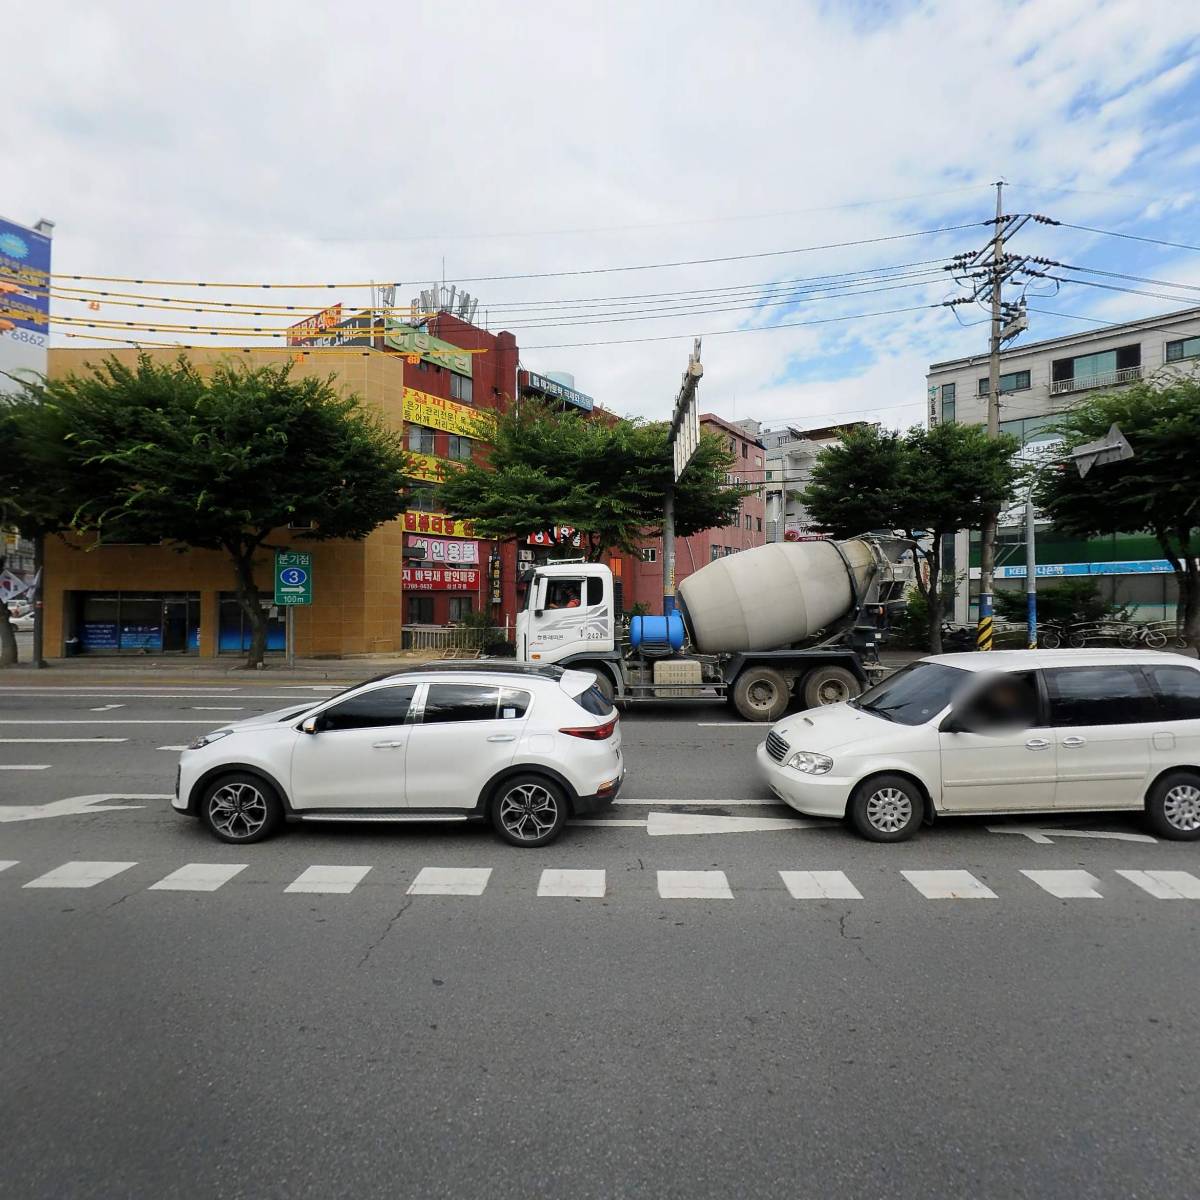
(1037, 744)
(1073, 742)
(503, 737)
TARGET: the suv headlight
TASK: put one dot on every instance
(208, 739)
(810, 763)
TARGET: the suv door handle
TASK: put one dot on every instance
(503, 737)
(1074, 742)
(1037, 744)
(386, 745)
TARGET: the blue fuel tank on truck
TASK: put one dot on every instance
(657, 635)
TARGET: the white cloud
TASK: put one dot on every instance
(293, 141)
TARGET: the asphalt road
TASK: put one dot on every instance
(255, 1041)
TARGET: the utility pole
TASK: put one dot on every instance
(987, 535)
(683, 438)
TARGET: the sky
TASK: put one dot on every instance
(307, 142)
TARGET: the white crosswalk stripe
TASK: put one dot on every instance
(948, 885)
(693, 885)
(5, 863)
(79, 874)
(1165, 885)
(450, 881)
(198, 877)
(337, 880)
(819, 885)
(1067, 885)
(572, 883)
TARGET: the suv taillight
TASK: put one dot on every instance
(594, 733)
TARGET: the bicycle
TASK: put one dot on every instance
(1132, 636)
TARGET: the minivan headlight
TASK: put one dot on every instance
(208, 739)
(810, 763)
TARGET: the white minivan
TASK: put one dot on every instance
(1013, 731)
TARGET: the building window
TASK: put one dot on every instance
(749, 519)
(420, 499)
(649, 554)
(728, 551)
(733, 445)
(1014, 381)
(770, 475)
(714, 553)
(759, 522)
(948, 390)
(460, 448)
(1108, 367)
(460, 388)
(420, 610)
(758, 460)
(460, 606)
(1185, 348)
(745, 450)
(420, 439)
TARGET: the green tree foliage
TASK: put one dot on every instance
(160, 453)
(606, 479)
(1059, 603)
(1157, 491)
(926, 483)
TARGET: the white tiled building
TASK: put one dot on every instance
(1038, 381)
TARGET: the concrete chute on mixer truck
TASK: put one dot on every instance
(756, 628)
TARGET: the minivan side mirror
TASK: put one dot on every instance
(954, 723)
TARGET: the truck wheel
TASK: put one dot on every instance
(760, 694)
(829, 685)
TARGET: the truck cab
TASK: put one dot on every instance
(568, 611)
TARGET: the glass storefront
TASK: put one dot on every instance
(135, 622)
(233, 629)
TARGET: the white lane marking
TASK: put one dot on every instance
(740, 803)
(819, 885)
(729, 724)
(948, 885)
(175, 748)
(572, 883)
(1165, 885)
(5, 863)
(100, 721)
(693, 885)
(1066, 885)
(312, 687)
(450, 881)
(339, 880)
(198, 877)
(200, 694)
(619, 824)
(74, 805)
(24, 766)
(221, 708)
(106, 707)
(60, 741)
(79, 874)
(660, 824)
(1042, 836)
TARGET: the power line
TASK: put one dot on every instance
(1132, 237)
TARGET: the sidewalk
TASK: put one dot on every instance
(148, 671)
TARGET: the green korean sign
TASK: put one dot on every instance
(293, 578)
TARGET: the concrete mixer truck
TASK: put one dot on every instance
(755, 629)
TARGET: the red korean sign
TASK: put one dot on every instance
(560, 535)
(439, 579)
(448, 551)
(303, 332)
(439, 523)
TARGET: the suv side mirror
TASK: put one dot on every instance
(312, 725)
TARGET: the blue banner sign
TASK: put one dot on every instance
(1145, 566)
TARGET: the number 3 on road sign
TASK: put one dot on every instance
(293, 576)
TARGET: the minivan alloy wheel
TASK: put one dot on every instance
(237, 810)
(1181, 807)
(889, 809)
(528, 811)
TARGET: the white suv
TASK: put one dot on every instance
(522, 745)
(1012, 731)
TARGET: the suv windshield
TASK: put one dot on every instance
(915, 694)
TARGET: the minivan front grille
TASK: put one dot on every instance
(777, 748)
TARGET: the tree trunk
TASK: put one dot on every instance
(936, 604)
(248, 600)
(1187, 613)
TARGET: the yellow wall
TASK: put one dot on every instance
(356, 607)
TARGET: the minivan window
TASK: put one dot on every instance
(1098, 696)
(1178, 692)
(369, 710)
(915, 694)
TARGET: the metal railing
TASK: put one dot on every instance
(450, 637)
(1107, 379)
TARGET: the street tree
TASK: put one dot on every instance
(605, 478)
(926, 484)
(158, 452)
(1157, 491)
